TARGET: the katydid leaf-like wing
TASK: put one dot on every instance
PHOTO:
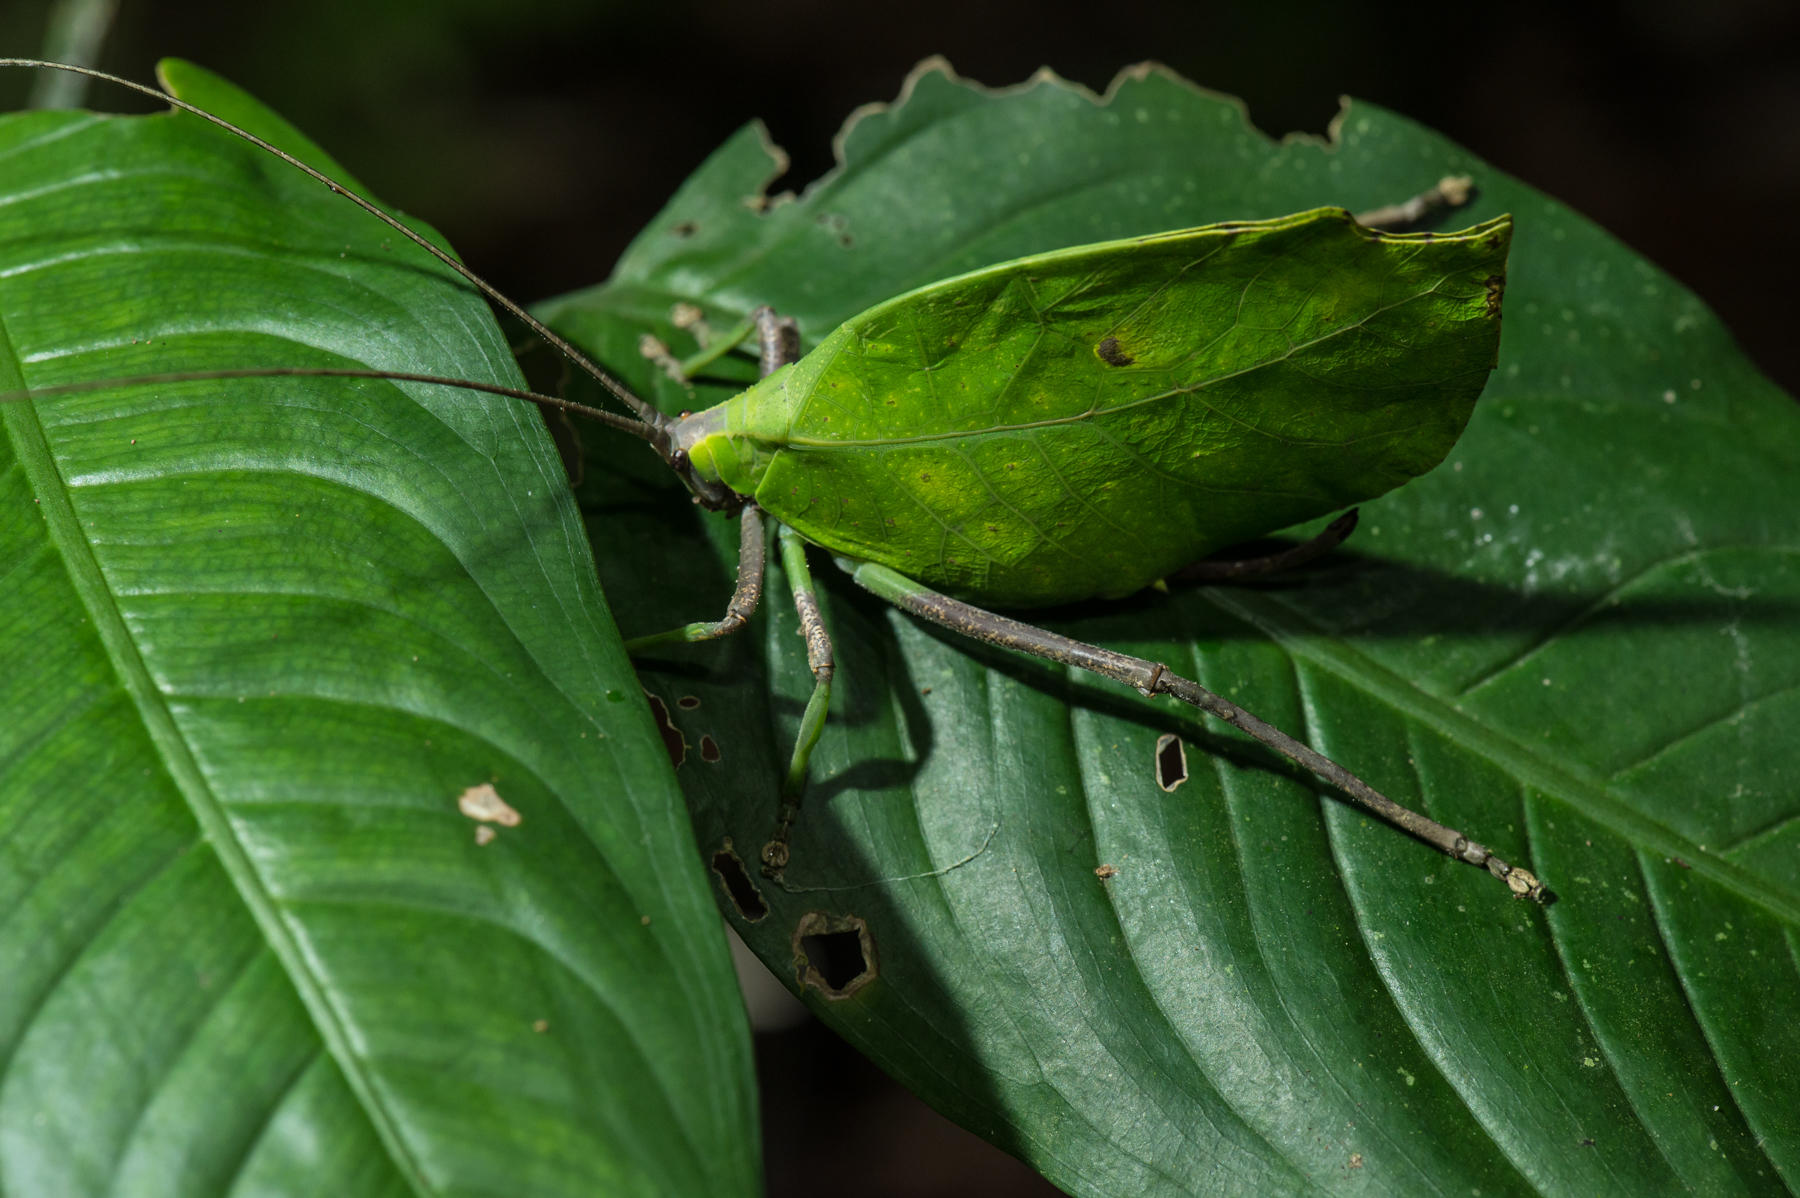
(1085, 422)
(1578, 640)
(279, 653)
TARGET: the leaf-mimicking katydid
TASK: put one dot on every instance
(1078, 424)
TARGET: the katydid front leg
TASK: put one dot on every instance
(752, 552)
(1153, 678)
(778, 344)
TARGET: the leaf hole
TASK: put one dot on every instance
(1171, 761)
(673, 741)
(833, 954)
(745, 898)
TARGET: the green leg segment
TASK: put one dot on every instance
(812, 721)
(716, 348)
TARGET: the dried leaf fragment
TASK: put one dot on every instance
(484, 803)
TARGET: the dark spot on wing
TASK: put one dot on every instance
(1111, 354)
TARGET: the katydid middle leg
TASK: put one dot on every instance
(1153, 678)
(819, 660)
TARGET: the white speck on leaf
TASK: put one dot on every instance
(485, 804)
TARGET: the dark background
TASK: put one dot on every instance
(539, 135)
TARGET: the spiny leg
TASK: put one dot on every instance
(1245, 569)
(1152, 678)
(812, 721)
(744, 596)
(778, 344)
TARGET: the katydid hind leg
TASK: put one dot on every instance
(820, 662)
(1248, 569)
(1153, 678)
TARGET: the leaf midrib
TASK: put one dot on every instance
(46, 482)
(1555, 781)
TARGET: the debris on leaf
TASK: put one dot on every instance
(484, 803)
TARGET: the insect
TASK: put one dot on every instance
(1073, 425)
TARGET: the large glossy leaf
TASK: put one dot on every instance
(265, 645)
(1578, 640)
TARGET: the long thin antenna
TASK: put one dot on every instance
(612, 419)
(647, 414)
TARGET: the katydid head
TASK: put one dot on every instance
(703, 458)
(709, 492)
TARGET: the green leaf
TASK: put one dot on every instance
(1578, 641)
(263, 640)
